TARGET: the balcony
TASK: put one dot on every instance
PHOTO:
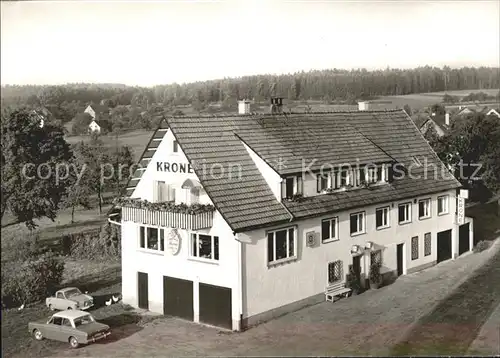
(180, 217)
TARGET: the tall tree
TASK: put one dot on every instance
(34, 162)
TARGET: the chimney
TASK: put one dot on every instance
(244, 107)
(447, 119)
(363, 106)
(276, 104)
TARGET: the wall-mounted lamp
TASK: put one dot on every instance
(355, 249)
(369, 245)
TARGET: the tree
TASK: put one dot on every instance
(81, 123)
(79, 189)
(35, 163)
(438, 109)
(122, 160)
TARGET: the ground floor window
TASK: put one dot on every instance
(334, 271)
(427, 244)
(376, 257)
(151, 238)
(205, 246)
(281, 245)
(414, 248)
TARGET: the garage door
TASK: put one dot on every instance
(178, 297)
(463, 239)
(443, 245)
(215, 305)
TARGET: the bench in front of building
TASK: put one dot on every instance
(336, 289)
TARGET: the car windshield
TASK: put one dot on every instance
(86, 319)
(73, 292)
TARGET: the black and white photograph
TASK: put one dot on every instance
(250, 178)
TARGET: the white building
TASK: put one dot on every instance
(240, 227)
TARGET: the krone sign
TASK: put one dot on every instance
(461, 210)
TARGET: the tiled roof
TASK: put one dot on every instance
(335, 137)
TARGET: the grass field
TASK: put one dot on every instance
(137, 140)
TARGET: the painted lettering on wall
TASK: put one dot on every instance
(174, 167)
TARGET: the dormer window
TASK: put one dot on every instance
(291, 186)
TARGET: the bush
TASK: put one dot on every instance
(352, 281)
(30, 280)
(100, 243)
(481, 246)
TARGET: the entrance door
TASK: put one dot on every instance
(443, 245)
(463, 239)
(142, 290)
(215, 305)
(356, 265)
(178, 297)
(399, 257)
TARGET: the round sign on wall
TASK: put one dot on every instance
(174, 241)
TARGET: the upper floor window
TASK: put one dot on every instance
(442, 203)
(281, 245)
(382, 217)
(151, 238)
(175, 147)
(404, 213)
(329, 229)
(205, 246)
(358, 223)
(291, 186)
(163, 192)
(324, 181)
(424, 208)
(371, 175)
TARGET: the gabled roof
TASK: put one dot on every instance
(98, 108)
(248, 202)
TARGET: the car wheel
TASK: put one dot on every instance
(38, 335)
(73, 342)
(70, 308)
(51, 307)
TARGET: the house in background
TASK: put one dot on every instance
(223, 224)
(97, 111)
(43, 115)
(494, 112)
(100, 126)
(440, 123)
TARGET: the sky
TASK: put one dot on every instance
(147, 43)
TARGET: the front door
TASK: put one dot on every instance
(356, 265)
(399, 257)
(463, 239)
(142, 290)
(443, 245)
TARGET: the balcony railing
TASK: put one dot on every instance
(185, 221)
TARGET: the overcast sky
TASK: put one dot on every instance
(147, 43)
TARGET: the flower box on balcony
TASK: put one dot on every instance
(167, 214)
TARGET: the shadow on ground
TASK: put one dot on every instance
(455, 322)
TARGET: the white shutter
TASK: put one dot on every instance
(156, 189)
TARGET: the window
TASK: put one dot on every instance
(56, 320)
(371, 175)
(281, 245)
(163, 192)
(335, 180)
(66, 322)
(404, 213)
(376, 257)
(414, 248)
(357, 223)
(344, 178)
(329, 230)
(175, 147)
(386, 174)
(382, 217)
(334, 272)
(424, 209)
(151, 238)
(443, 204)
(291, 186)
(323, 182)
(205, 246)
(427, 244)
(59, 295)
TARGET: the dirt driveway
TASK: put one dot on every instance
(368, 324)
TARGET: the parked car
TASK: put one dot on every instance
(73, 326)
(69, 298)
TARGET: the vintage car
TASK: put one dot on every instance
(73, 326)
(69, 298)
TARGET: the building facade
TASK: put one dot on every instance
(233, 220)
